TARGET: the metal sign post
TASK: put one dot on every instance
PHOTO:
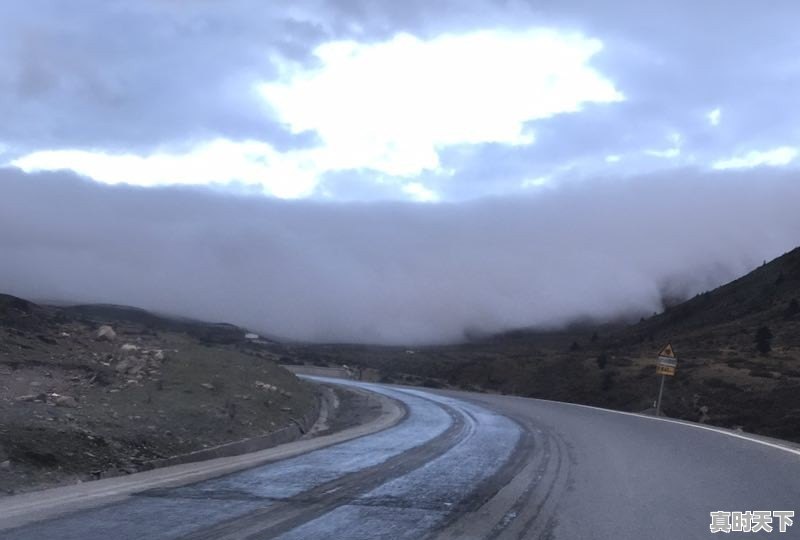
(667, 363)
(660, 393)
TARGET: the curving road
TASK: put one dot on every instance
(463, 465)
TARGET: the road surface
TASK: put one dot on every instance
(463, 465)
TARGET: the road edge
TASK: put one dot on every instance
(771, 442)
(19, 510)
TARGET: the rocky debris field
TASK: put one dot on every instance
(82, 398)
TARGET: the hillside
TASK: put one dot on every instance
(768, 295)
(79, 402)
(722, 377)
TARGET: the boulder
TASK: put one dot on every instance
(131, 365)
(106, 333)
(66, 401)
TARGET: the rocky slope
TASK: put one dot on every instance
(95, 391)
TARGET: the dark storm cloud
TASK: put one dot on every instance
(130, 76)
(391, 272)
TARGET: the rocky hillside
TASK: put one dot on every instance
(100, 390)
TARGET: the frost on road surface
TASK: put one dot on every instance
(398, 483)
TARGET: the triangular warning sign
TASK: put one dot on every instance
(667, 351)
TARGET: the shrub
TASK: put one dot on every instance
(793, 308)
(764, 340)
(602, 361)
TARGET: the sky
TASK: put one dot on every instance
(416, 170)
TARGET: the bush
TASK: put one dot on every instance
(716, 382)
(793, 308)
(602, 361)
(764, 340)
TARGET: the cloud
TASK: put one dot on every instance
(155, 80)
(390, 106)
(387, 107)
(137, 76)
(714, 116)
(392, 272)
(252, 163)
(774, 158)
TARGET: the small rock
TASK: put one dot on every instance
(5, 465)
(106, 333)
(207, 386)
(27, 397)
(66, 401)
(128, 348)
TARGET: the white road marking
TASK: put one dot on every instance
(687, 424)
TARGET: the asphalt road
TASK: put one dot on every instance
(471, 466)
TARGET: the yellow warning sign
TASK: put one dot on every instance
(665, 370)
(667, 352)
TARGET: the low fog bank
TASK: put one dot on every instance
(392, 272)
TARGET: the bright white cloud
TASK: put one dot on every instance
(389, 106)
(420, 193)
(714, 117)
(774, 158)
(220, 161)
(539, 181)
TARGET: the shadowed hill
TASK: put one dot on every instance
(767, 296)
(738, 349)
